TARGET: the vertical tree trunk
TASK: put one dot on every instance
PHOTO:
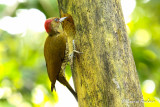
(105, 74)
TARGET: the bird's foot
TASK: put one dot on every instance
(74, 51)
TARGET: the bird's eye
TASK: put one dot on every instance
(56, 19)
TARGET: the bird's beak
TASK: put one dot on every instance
(62, 19)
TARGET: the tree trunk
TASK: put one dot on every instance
(105, 74)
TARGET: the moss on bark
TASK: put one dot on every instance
(105, 74)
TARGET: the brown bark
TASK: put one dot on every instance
(105, 74)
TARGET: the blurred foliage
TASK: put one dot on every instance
(144, 32)
(23, 76)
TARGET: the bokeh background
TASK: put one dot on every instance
(23, 77)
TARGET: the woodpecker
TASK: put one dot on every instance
(54, 52)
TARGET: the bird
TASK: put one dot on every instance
(54, 52)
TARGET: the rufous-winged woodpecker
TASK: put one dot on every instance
(54, 52)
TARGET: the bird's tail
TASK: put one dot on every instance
(61, 78)
(71, 90)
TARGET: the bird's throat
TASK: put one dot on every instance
(54, 33)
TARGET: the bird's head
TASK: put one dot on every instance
(52, 24)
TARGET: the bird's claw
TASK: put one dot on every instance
(74, 48)
(75, 51)
(72, 54)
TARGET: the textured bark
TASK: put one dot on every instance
(105, 74)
